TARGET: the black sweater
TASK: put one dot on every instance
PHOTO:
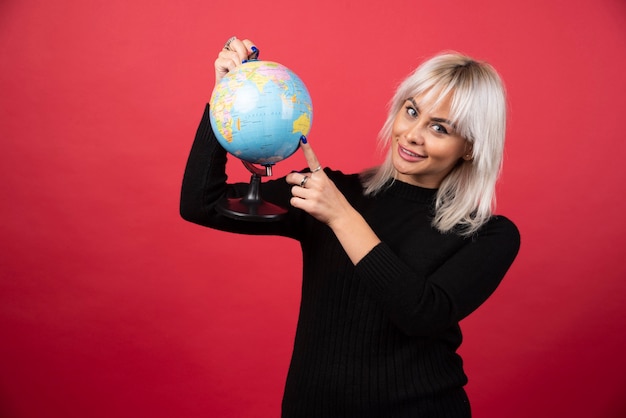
(378, 338)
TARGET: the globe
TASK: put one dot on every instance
(259, 111)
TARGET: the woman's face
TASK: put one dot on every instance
(425, 146)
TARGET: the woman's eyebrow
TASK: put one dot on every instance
(442, 120)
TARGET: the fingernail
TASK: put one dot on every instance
(303, 139)
(255, 53)
(244, 61)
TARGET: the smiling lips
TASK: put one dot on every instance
(409, 155)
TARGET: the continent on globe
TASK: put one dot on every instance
(259, 111)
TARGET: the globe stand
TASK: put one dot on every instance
(252, 207)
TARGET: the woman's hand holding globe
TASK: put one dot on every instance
(235, 53)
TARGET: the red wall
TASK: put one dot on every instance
(112, 306)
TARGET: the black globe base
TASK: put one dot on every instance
(260, 211)
(251, 207)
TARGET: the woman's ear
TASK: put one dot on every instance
(469, 149)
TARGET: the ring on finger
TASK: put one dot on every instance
(303, 181)
(319, 167)
(227, 44)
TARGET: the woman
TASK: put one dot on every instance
(393, 258)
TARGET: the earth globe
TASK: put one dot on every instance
(258, 113)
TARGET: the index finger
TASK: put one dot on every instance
(253, 51)
(309, 155)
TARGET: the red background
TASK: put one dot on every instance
(113, 306)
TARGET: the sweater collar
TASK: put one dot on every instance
(411, 192)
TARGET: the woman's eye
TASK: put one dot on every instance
(411, 111)
(440, 128)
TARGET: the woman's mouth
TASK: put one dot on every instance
(410, 155)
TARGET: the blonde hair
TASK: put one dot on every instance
(466, 197)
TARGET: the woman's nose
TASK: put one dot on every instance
(415, 134)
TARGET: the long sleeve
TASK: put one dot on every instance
(205, 184)
(424, 296)
(204, 181)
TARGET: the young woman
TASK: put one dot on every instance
(394, 257)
